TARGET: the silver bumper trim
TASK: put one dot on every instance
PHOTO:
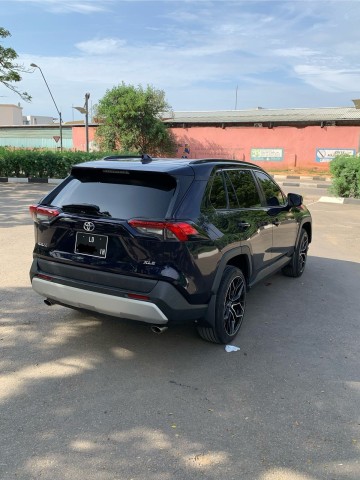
(100, 302)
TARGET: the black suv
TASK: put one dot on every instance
(163, 241)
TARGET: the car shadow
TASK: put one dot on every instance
(84, 396)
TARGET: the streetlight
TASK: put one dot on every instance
(85, 111)
(59, 113)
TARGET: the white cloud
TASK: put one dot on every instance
(182, 16)
(328, 79)
(199, 64)
(101, 46)
(71, 6)
(296, 52)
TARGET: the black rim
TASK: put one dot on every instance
(303, 252)
(234, 306)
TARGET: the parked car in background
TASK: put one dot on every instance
(163, 241)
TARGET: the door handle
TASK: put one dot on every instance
(276, 222)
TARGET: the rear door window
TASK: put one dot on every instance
(232, 189)
(245, 188)
(121, 194)
(231, 194)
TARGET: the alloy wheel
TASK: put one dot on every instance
(234, 306)
(303, 252)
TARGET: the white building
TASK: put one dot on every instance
(37, 120)
(11, 115)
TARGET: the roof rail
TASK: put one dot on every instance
(219, 160)
(120, 157)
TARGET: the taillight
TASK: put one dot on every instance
(40, 214)
(43, 277)
(165, 230)
(136, 296)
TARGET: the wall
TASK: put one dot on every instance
(79, 137)
(35, 137)
(299, 145)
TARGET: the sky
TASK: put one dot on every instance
(205, 55)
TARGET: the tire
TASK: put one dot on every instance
(229, 308)
(298, 261)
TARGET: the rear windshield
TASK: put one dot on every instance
(122, 194)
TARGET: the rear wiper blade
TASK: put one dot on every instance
(85, 208)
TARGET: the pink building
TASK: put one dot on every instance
(79, 137)
(283, 139)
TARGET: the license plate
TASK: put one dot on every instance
(91, 244)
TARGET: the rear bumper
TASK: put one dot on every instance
(100, 302)
(164, 305)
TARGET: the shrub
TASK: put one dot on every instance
(43, 163)
(346, 176)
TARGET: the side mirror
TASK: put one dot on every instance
(294, 200)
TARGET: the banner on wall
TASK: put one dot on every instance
(328, 154)
(267, 154)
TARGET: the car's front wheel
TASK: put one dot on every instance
(229, 308)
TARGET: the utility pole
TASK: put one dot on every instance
(85, 111)
(59, 113)
(87, 96)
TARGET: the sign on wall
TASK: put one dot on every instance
(328, 154)
(267, 154)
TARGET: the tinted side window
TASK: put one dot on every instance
(232, 199)
(217, 193)
(245, 188)
(273, 195)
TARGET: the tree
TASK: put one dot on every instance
(345, 170)
(10, 71)
(131, 120)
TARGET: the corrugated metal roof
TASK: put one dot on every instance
(268, 115)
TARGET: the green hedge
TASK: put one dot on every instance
(346, 176)
(42, 163)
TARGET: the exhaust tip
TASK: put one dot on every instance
(158, 330)
(48, 302)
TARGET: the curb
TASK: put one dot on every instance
(303, 181)
(54, 181)
(340, 201)
(302, 177)
(304, 185)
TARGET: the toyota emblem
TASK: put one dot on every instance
(89, 226)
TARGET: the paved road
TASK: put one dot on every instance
(93, 398)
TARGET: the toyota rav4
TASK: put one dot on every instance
(164, 241)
